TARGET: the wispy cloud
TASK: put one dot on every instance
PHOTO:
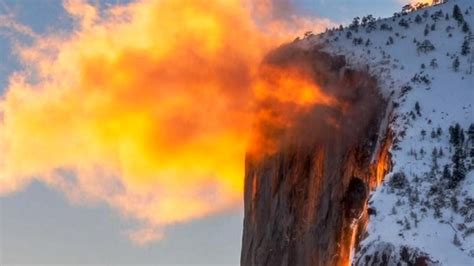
(9, 23)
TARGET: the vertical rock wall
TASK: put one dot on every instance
(305, 203)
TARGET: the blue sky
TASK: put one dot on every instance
(344, 10)
(38, 225)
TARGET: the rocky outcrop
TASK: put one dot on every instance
(354, 199)
(382, 253)
(305, 204)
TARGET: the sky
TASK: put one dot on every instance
(41, 225)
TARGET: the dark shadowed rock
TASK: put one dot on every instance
(382, 253)
(303, 205)
(355, 199)
(372, 211)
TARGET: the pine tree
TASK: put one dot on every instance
(407, 224)
(456, 241)
(456, 64)
(434, 158)
(465, 27)
(390, 40)
(418, 19)
(457, 14)
(393, 211)
(418, 108)
(446, 172)
(427, 30)
(470, 136)
(404, 23)
(437, 15)
(385, 27)
(425, 47)
(349, 35)
(364, 21)
(455, 133)
(355, 24)
(465, 49)
(426, 14)
(371, 25)
(459, 156)
(434, 63)
(454, 203)
(459, 169)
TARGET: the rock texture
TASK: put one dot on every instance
(305, 204)
(382, 253)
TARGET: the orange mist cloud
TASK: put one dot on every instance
(281, 93)
(148, 107)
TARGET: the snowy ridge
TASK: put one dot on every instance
(426, 203)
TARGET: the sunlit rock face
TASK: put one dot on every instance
(305, 202)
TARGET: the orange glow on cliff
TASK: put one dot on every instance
(280, 95)
(148, 108)
(415, 2)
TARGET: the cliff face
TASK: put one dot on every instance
(305, 203)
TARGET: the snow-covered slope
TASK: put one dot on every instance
(426, 204)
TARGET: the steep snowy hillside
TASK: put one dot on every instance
(424, 210)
